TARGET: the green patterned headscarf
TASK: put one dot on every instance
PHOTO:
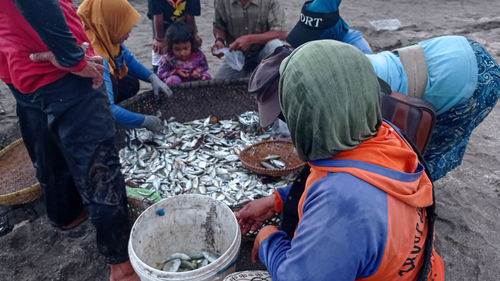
(329, 96)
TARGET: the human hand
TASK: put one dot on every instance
(94, 68)
(196, 74)
(158, 86)
(159, 46)
(253, 214)
(182, 73)
(263, 234)
(152, 123)
(242, 43)
(218, 45)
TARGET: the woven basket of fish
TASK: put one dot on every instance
(18, 182)
(206, 126)
(271, 157)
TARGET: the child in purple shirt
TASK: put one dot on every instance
(184, 61)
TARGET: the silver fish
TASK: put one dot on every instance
(200, 156)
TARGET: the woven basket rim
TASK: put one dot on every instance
(211, 83)
(24, 195)
(264, 171)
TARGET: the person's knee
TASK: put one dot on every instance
(173, 79)
(135, 85)
(273, 44)
(226, 72)
(270, 47)
(105, 181)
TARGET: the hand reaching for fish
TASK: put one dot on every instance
(253, 214)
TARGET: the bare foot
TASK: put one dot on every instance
(123, 272)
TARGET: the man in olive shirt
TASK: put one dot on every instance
(255, 27)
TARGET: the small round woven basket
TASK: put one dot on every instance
(18, 182)
(252, 156)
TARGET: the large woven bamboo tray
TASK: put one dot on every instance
(18, 183)
(225, 99)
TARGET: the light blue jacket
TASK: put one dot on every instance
(452, 69)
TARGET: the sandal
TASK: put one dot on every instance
(84, 215)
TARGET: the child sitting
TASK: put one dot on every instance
(184, 61)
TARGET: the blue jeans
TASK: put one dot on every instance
(68, 130)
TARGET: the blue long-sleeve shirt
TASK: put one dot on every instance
(123, 116)
(341, 231)
(366, 224)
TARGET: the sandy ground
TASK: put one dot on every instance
(468, 227)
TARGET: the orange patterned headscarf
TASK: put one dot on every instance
(106, 21)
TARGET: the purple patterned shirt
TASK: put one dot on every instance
(169, 65)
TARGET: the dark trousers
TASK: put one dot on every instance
(68, 129)
(124, 88)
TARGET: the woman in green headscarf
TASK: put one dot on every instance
(330, 100)
(363, 204)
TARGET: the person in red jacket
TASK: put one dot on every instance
(367, 209)
(66, 121)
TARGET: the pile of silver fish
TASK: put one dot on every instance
(197, 157)
(180, 262)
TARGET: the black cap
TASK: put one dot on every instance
(311, 26)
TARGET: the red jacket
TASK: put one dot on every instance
(18, 40)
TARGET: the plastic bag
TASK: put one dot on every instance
(235, 59)
(388, 24)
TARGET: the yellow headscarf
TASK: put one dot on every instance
(106, 21)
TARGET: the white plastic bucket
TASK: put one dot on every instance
(191, 223)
